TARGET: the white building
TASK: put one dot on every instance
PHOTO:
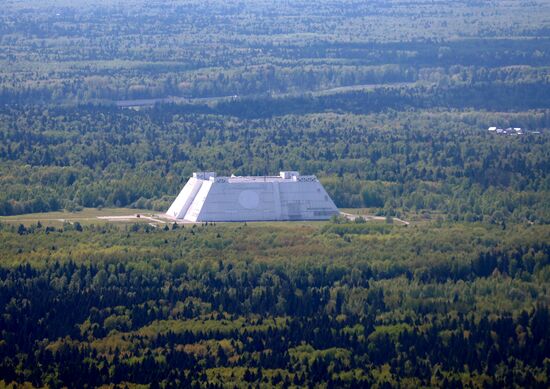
(506, 131)
(288, 196)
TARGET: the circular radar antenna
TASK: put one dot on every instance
(249, 199)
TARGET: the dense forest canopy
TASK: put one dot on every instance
(386, 101)
(422, 161)
(344, 305)
(115, 103)
(103, 51)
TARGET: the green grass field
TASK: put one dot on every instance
(86, 216)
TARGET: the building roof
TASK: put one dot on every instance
(284, 176)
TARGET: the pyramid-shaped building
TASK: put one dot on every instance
(288, 196)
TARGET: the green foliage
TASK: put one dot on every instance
(276, 304)
(387, 104)
(114, 104)
(425, 164)
(489, 54)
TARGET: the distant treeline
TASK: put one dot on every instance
(78, 55)
(486, 96)
(434, 161)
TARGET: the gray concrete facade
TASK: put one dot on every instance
(289, 196)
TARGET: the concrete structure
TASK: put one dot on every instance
(288, 196)
(506, 131)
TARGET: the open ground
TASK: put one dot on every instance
(88, 216)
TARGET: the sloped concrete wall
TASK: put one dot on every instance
(223, 201)
(179, 207)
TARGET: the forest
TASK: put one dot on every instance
(113, 104)
(284, 304)
(56, 51)
(421, 162)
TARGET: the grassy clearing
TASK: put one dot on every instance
(86, 216)
(96, 216)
